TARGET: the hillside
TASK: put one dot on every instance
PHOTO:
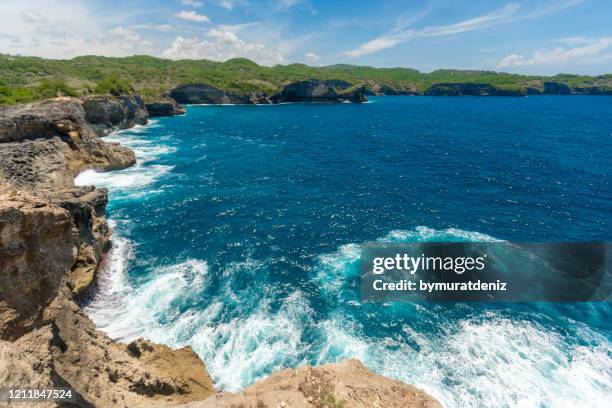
(24, 79)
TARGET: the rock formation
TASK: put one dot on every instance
(164, 106)
(205, 94)
(470, 89)
(319, 91)
(348, 384)
(52, 238)
(331, 91)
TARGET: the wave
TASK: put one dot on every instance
(244, 327)
(239, 335)
(486, 360)
(463, 354)
(135, 181)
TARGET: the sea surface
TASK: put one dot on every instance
(238, 233)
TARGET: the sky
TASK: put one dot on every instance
(522, 36)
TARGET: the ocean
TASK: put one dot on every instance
(238, 233)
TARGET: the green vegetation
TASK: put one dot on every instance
(113, 86)
(328, 400)
(24, 79)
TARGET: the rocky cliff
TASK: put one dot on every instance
(53, 237)
(331, 91)
(469, 89)
(165, 106)
(207, 94)
(532, 87)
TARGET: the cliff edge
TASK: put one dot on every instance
(53, 236)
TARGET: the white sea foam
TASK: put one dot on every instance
(485, 359)
(240, 351)
(131, 182)
(237, 349)
(126, 311)
(493, 362)
(132, 178)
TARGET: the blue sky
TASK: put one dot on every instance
(525, 36)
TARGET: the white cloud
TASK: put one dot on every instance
(312, 57)
(472, 24)
(126, 34)
(193, 16)
(164, 28)
(32, 17)
(220, 45)
(234, 28)
(44, 28)
(504, 15)
(379, 44)
(586, 51)
(192, 3)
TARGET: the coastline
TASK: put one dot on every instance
(47, 215)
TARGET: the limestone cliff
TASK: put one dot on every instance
(330, 91)
(470, 89)
(53, 236)
(319, 91)
(205, 94)
(164, 106)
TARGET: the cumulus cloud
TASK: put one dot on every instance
(193, 16)
(43, 28)
(312, 57)
(585, 51)
(221, 44)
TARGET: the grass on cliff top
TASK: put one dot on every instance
(24, 79)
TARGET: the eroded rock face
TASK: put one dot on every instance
(470, 89)
(43, 145)
(204, 93)
(330, 91)
(556, 88)
(165, 106)
(319, 91)
(347, 384)
(37, 247)
(106, 114)
(53, 236)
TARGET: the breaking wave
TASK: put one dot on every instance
(135, 181)
(464, 355)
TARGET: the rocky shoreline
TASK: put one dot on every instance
(53, 239)
(332, 91)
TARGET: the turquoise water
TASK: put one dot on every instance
(238, 233)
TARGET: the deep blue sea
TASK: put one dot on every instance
(238, 233)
